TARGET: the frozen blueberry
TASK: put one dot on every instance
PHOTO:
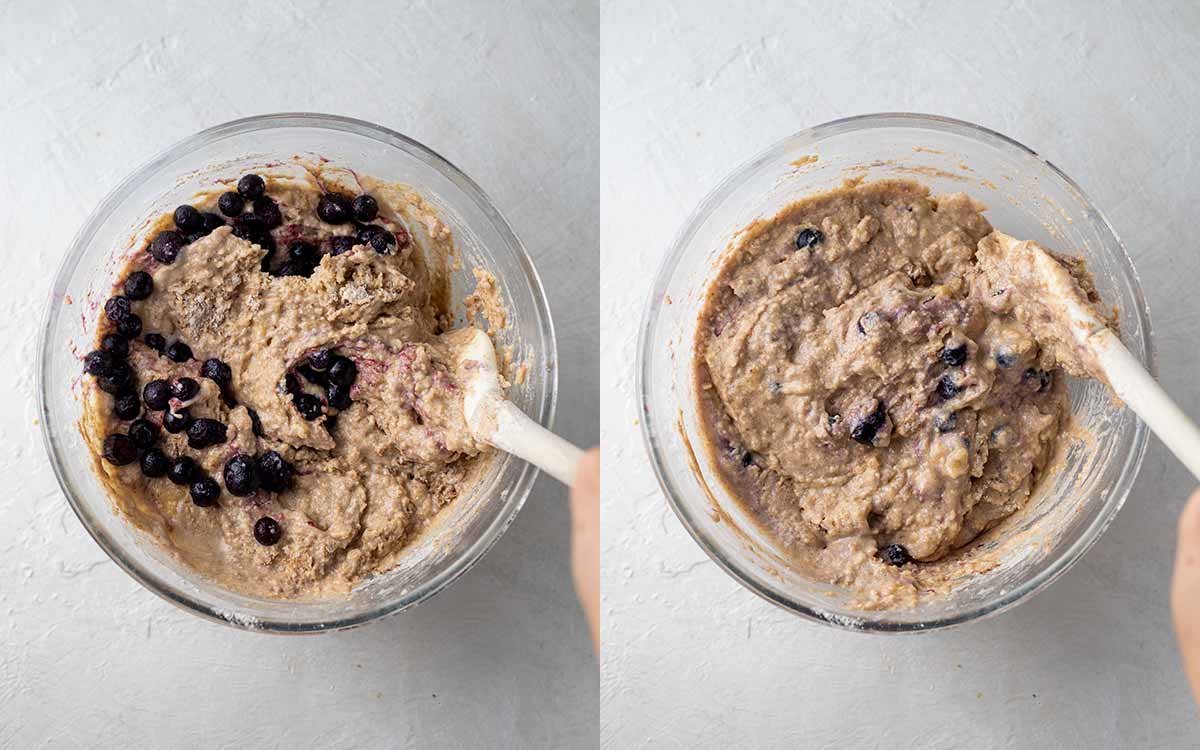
(139, 285)
(182, 470)
(341, 244)
(166, 245)
(365, 208)
(118, 379)
(155, 463)
(316, 377)
(267, 531)
(176, 421)
(1005, 358)
(188, 219)
(130, 326)
(127, 405)
(864, 432)
(308, 405)
(343, 371)
(117, 309)
(205, 491)
(1038, 378)
(291, 384)
(251, 186)
(209, 223)
(119, 450)
(809, 237)
(255, 236)
(241, 475)
(203, 432)
(231, 203)
(157, 395)
(321, 359)
(945, 422)
(217, 371)
(114, 346)
(303, 252)
(365, 233)
(179, 352)
(274, 472)
(947, 388)
(97, 363)
(334, 208)
(143, 433)
(268, 210)
(339, 396)
(383, 242)
(954, 356)
(155, 341)
(184, 388)
(895, 554)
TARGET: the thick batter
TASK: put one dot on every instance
(879, 382)
(274, 391)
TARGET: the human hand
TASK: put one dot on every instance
(1185, 591)
(585, 540)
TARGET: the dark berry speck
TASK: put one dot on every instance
(114, 346)
(1040, 379)
(274, 472)
(117, 309)
(895, 554)
(954, 356)
(231, 203)
(127, 406)
(155, 463)
(809, 237)
(204, 492)
(139, 285)
(267, 531)
(179, 352)
(118, 379)
(341, 244)
(947, 388)
(308, 405)
(365, 208)
(268, 211)
(188, 219)
(157, 395)
(241, 475)
(143, 433)
(182, 470)
(334, 208)
(176, 421)
(1005, 358)
(255, 423)
(184, 388)
(119, 450)
(166, 245)
(217, 371)
(204, 432)
(251, 186)
(383, 242)
(97, 363)
(320, 359)
(945, 422)
(864, 432)
(130, 326)
(343, 371)
(155, 341)
(339, 396)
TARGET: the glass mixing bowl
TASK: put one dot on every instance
(466, 529)
(1028, 198)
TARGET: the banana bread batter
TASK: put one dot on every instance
(879, 385)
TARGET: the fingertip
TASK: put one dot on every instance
(1189, 522)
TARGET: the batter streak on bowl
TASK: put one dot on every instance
(275, 395)
(879, 383)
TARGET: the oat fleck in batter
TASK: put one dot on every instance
(878, 387)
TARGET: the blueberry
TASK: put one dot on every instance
(166, 246)
(176, 422)
(241, 475)
(204, 432)
(291, 384)
(895, 554)
(809, 237)
(267, 531)
(947, 388)
(316, 377)
(1039, 378)
(747, 459)
(98, 363)
(339, 396)
(255, 236)
(118, 380)
(188, 219)
(365, 208)
(217, 371)
(251, 186)
(179, 352)
(383, 242)
(209, 224)
(341, 244)
(303, 252)
(945, 422)
(1005, 358)
(365, 233)
(114, 346)
(255, 423)
(321, 359)
(117, 309)
(204, 492)
(119, 450)
(274, 472)
(157, 395)
(155, 463)
(155, 341)
(864, 432)
(184, 388)
(127, 406)
(268, 210)
(343, 371)
(954, 356)
(139, 285)
(308, 405)
(130, 326)
(334, 208)
(143, 433)
(231, 203)
(182, 470)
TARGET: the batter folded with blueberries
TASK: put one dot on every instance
(871, 388)
(274, 393)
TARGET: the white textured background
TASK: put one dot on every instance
(1106, 90)
(88, 90)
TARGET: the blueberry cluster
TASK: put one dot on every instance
(190, 225)
(336, 208)
(328, 370)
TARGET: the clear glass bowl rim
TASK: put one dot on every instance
(518, 490)
(659, 456)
